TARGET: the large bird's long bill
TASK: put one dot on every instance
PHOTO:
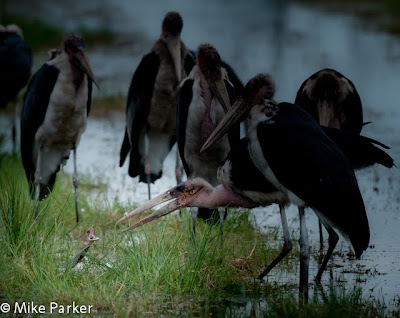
(83, 63)
(234, 114)
(219, 90)
(174, 47)
(180, 196)
(326, 115)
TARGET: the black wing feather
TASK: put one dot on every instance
(233, 78)
(34, 109)
(125, 148)
(138, 107)
(244, 174)
(189, 63)
(185, 98)
(359, 150)
(89, 100)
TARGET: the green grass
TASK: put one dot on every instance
(43, 36)
(156, 269)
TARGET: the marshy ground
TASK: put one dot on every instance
(158, 269)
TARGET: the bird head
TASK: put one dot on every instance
(90, 237)
(261, 87)
(183, 195)
(172, 25)
(170, 33)
(209, 64)
(75, 49)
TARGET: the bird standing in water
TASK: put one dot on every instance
(54, 116)
(333, 101)
(205, 96)
(262, 170)
(151, 107)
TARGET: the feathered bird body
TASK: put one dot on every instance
(203, 115)
(54, 116)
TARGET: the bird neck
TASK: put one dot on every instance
(77, 75)
(207, 125)
(221, 197)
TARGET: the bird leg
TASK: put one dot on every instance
(15, 124)
(222, 213)
(194, 220)
(147, 168)
(178, 170)
(38, 180)
(287, 243)
(76, 184)
(304, 258)
(148, 177)
(178, 167)
(332, 241)
(321, 240)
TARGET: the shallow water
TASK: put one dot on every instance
(291, 42)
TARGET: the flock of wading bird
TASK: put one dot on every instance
(303, 153)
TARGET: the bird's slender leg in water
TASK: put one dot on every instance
(147, 168)
(321, 239)
(194, 220)
(15, 125)
(304, 258)
(222, 213)
(38, 180)
(148, 178)
(287, 243)
(178, 171)
(76, 184)
(332, 239)
(178, 167)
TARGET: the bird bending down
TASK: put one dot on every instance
(15, 69)
(244, 184)
(205, 96)
(151, 107)
(332, 100)
(54, 115)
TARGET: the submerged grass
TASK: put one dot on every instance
(156, 270)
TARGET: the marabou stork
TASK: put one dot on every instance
(153, 94)
(325, 176)
(332, 100)
(294, 153)
(15, 69)
(242, 184)
(54, 115)
(205, 96)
